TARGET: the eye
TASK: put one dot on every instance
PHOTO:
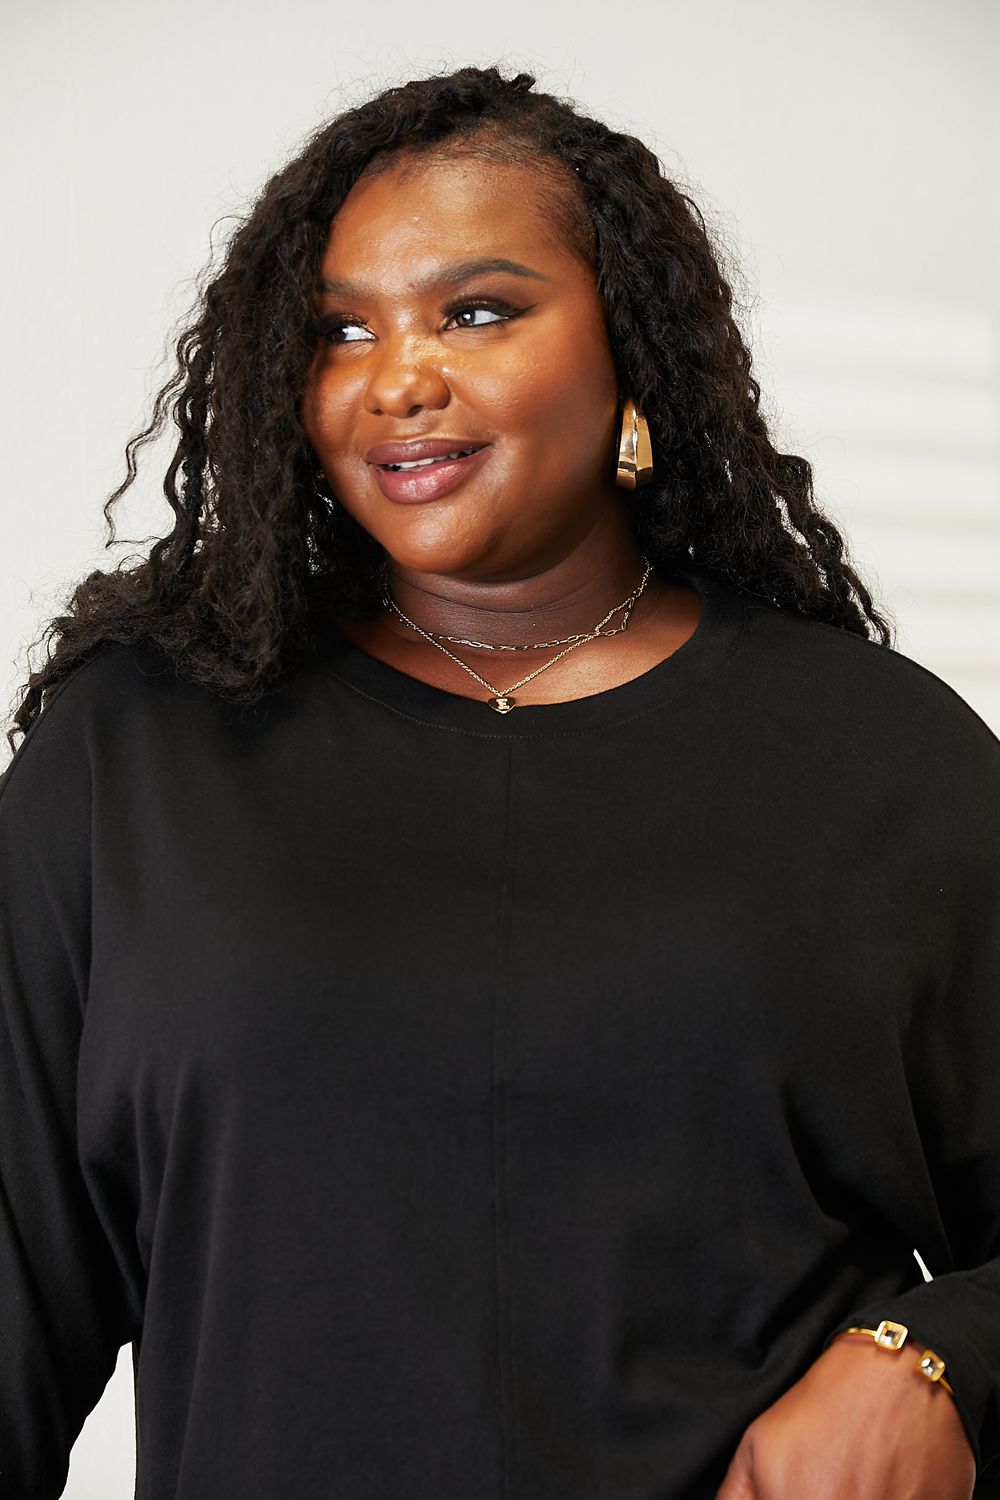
(500, 312)
(336, 330)
(347, 337)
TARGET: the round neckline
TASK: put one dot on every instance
(722, 616)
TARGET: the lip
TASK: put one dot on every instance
(405, 453)
(415, 485)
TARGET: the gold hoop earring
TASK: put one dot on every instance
(635, 451)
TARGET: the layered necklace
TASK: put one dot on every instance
(501, 700)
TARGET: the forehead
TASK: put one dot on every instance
(415, 210)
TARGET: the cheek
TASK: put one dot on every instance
(566, 415)
(513, 399)
(325, 412)
(574, 380)
(545, 396)
(310, 406)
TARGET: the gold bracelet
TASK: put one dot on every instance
(893, 1336)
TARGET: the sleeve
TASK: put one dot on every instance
(953, 1062)
(65, 1307)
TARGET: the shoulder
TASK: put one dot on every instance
(859, 733)
(94, 693)
(123, 707)
(128, 716)
(845, 682)
(48, 778)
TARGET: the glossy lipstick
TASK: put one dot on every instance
(430, 480)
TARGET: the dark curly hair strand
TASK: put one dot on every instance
(256, 548)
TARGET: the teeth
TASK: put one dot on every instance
(422, 463)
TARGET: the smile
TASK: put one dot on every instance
(423, 463)
(410, 482)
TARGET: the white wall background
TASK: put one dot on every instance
(849, 149)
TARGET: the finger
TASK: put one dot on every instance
(738, 1483)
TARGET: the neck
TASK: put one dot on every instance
(520, 606)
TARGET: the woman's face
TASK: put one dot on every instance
(423, 338)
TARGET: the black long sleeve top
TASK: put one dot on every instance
(447, 1104)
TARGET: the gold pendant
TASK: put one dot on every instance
(502, 704)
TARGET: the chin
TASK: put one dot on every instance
(436, 564)
(434, 554)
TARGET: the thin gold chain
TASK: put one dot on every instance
(577, 641)
(461, 640)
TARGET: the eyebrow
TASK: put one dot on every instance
(458, 271)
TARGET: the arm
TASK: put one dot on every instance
(862, 1421)
(953, 1063)
(861, 1424)
(65, 1306)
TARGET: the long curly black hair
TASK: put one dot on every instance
(256, 547)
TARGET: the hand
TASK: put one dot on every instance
(861, 1424)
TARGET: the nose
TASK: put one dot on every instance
(404, 378)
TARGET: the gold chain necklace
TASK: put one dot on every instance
(502, 702)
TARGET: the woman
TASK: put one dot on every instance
(499, 956)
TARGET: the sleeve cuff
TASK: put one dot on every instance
(959, 1320)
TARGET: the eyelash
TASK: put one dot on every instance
(326, 327)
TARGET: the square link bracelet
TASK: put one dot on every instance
(890, 1335)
